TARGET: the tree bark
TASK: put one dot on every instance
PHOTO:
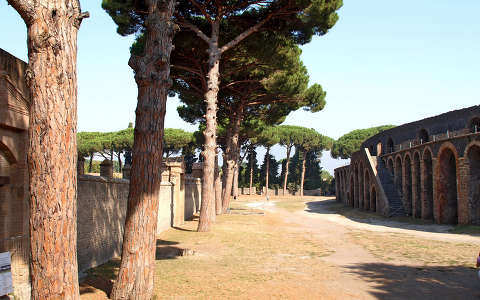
(152, 74)
(52, 29)
(285, 180)
(302, 179)
(218, 189)
(210, 133)
(232, 157)
(90, 163)
(251, 173)
(267, 171)
(235, 182)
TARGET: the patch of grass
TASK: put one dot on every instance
(466, 229)
(393, 246)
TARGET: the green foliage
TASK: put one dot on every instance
(273, 177)
(174, 140)
(350, 142)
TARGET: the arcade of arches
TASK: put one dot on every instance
(437, 178)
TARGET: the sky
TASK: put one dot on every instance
(384, 62)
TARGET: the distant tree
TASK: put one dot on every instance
(88, 143)
(267, 138)
(350, 142)
(310, 141)
(152, 21)
(175, 140)
(287, 138)
(272, 166)
(51, 76)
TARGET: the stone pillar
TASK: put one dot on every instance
(463, 177)
(126, 171)
(177, 178)
(106, 168)
(197, 170)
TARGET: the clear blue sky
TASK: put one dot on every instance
(385, 62)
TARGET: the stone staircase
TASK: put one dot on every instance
(393, 196)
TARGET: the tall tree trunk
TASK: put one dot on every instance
(228, 140)
(119, 161)
(210, 133)
(218, 189)
(251, 174)
(90, 163)
(267, 171)
(302, 178)
(232, 157)
(235, 182)
(152, 74)
(52, 29)
(285, 180)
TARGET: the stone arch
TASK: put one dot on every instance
(398, 178)
(423, 136)
(361, 202)
(356, 188)
(379, 148)
(390, 145)
(407, 186)
(416, 186)
(367, 189)
(373, 199)
(446, 200)
(474, 125)
(390, 166)
(427, 184)
(472, 154)
(351, 191)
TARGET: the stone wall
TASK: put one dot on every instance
(102, 206)
(193, 196)
(14, 207)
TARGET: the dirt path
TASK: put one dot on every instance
(366, 276)
(286, 249)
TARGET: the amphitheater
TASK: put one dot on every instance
(428, 169)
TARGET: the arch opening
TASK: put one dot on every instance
(407, 188)
(379, 149)
(423, 136)
(390, 167)
(398, 176)
(390, 145)
(360, 185)
(417, 187)
(474, 183)
(447, 188)
(474, 125)
(355, 191)
(427, 174)
(367, 189)
(350, 198)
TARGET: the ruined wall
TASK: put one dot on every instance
(193, 196)
(14, 207)
(102, 206)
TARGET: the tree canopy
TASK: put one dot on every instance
(350, 142)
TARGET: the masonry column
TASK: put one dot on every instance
(464, 207)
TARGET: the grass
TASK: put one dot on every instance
(466, 229)
(394, 246)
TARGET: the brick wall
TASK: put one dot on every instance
(102, 206)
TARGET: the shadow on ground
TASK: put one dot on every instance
(354, 214)
(422, 282)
